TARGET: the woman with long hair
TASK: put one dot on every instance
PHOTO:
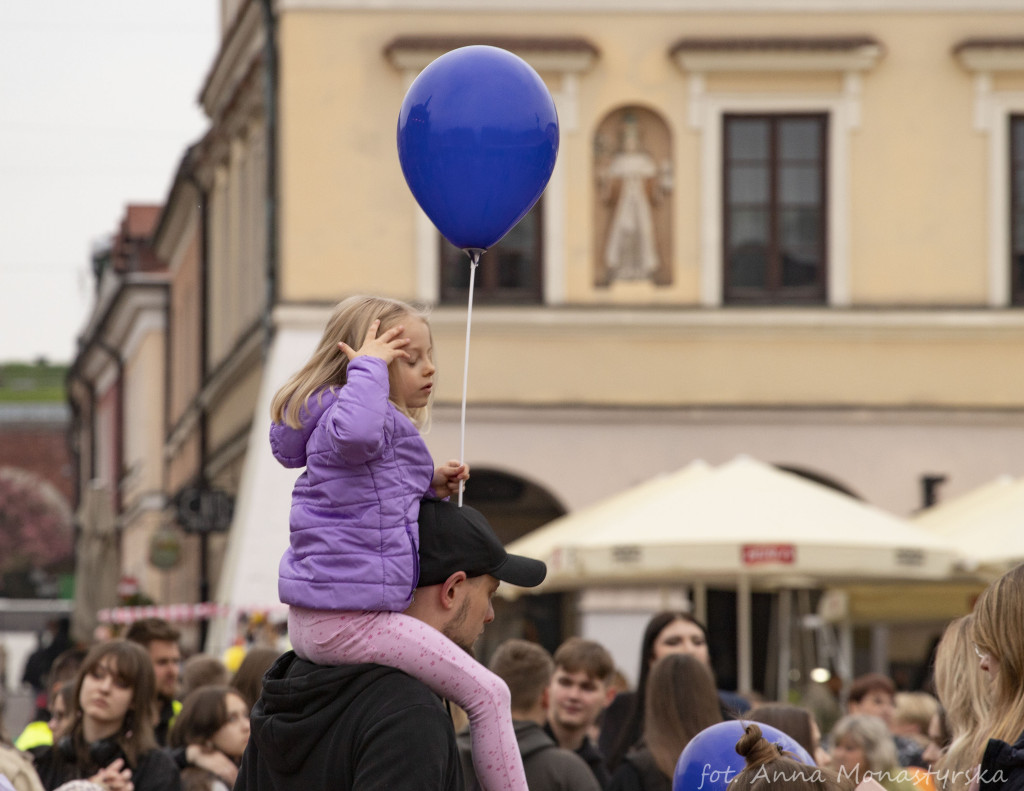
(796, 722)
(681, 701)
(214, 720)
(998, 634)
(962, 689)
(248, 679)
(110, 740)
(667, 632)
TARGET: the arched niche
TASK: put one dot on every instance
(633, 198)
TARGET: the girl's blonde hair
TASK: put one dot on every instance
(328, 365)
(998, 630)
(963, 691)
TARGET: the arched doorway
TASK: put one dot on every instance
(515, 506)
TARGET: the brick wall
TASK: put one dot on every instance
(33, 437)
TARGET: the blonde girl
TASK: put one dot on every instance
(351, 416)
(998, 635)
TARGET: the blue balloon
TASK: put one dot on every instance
(710, 761)
(477, 139)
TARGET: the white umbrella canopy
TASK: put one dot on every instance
(985, 524)
(743, 519)
(545, 541)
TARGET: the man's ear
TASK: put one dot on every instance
(545, 697)
(609, 694)
(451, 588)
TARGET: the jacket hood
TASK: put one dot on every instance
(529, 735)
(299, 704)
(531, 738)
(289, 444)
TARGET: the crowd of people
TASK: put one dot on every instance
(389, 584)
(128, 714)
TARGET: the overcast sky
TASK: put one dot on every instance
(98, 101)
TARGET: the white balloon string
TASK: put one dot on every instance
(474, 259)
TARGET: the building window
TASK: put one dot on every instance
(510, 273)
(1017, 209)
(774, 210)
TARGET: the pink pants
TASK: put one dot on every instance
(407, 644)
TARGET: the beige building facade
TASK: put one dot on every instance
(832, 279)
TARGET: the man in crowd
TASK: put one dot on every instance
(370, 726)
(527, 669)
(579, 691)
(160, 640)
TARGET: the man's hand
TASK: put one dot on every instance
(446, 478)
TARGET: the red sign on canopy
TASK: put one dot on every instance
(758, 554)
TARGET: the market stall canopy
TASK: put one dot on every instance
(985, 524)
(744, 519)
(869, 604)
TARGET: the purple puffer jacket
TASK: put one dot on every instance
(354, 537)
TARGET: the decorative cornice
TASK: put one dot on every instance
(991, 54)
(240, 47)
(633, 7)
(784, 53)
(544, 53)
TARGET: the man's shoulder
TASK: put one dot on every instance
(377, 684)
(554, 767)
(388, 684)
(295, 689)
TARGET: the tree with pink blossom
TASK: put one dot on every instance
(36, 528)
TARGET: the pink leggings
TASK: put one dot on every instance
(407, 644)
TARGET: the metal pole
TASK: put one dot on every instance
(743, 641)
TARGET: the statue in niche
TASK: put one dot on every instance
(633, 187)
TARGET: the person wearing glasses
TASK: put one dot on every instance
(998, 636)
(962, 688)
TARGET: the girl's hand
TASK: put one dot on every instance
(115, 777)
(447, 476)
(387, 347)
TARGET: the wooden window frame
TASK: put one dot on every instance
(487, 290)
(1016, 207)
(774, 293)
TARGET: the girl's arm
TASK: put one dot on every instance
(356, 421)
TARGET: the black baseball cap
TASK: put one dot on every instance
(458, 538)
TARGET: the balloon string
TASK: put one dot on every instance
(474, 259)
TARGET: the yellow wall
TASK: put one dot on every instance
(233, 411)
(917, 213)
(918, 167)
(144, 419)
(682, 360)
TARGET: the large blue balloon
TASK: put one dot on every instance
(477, 139)
(710, 761)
